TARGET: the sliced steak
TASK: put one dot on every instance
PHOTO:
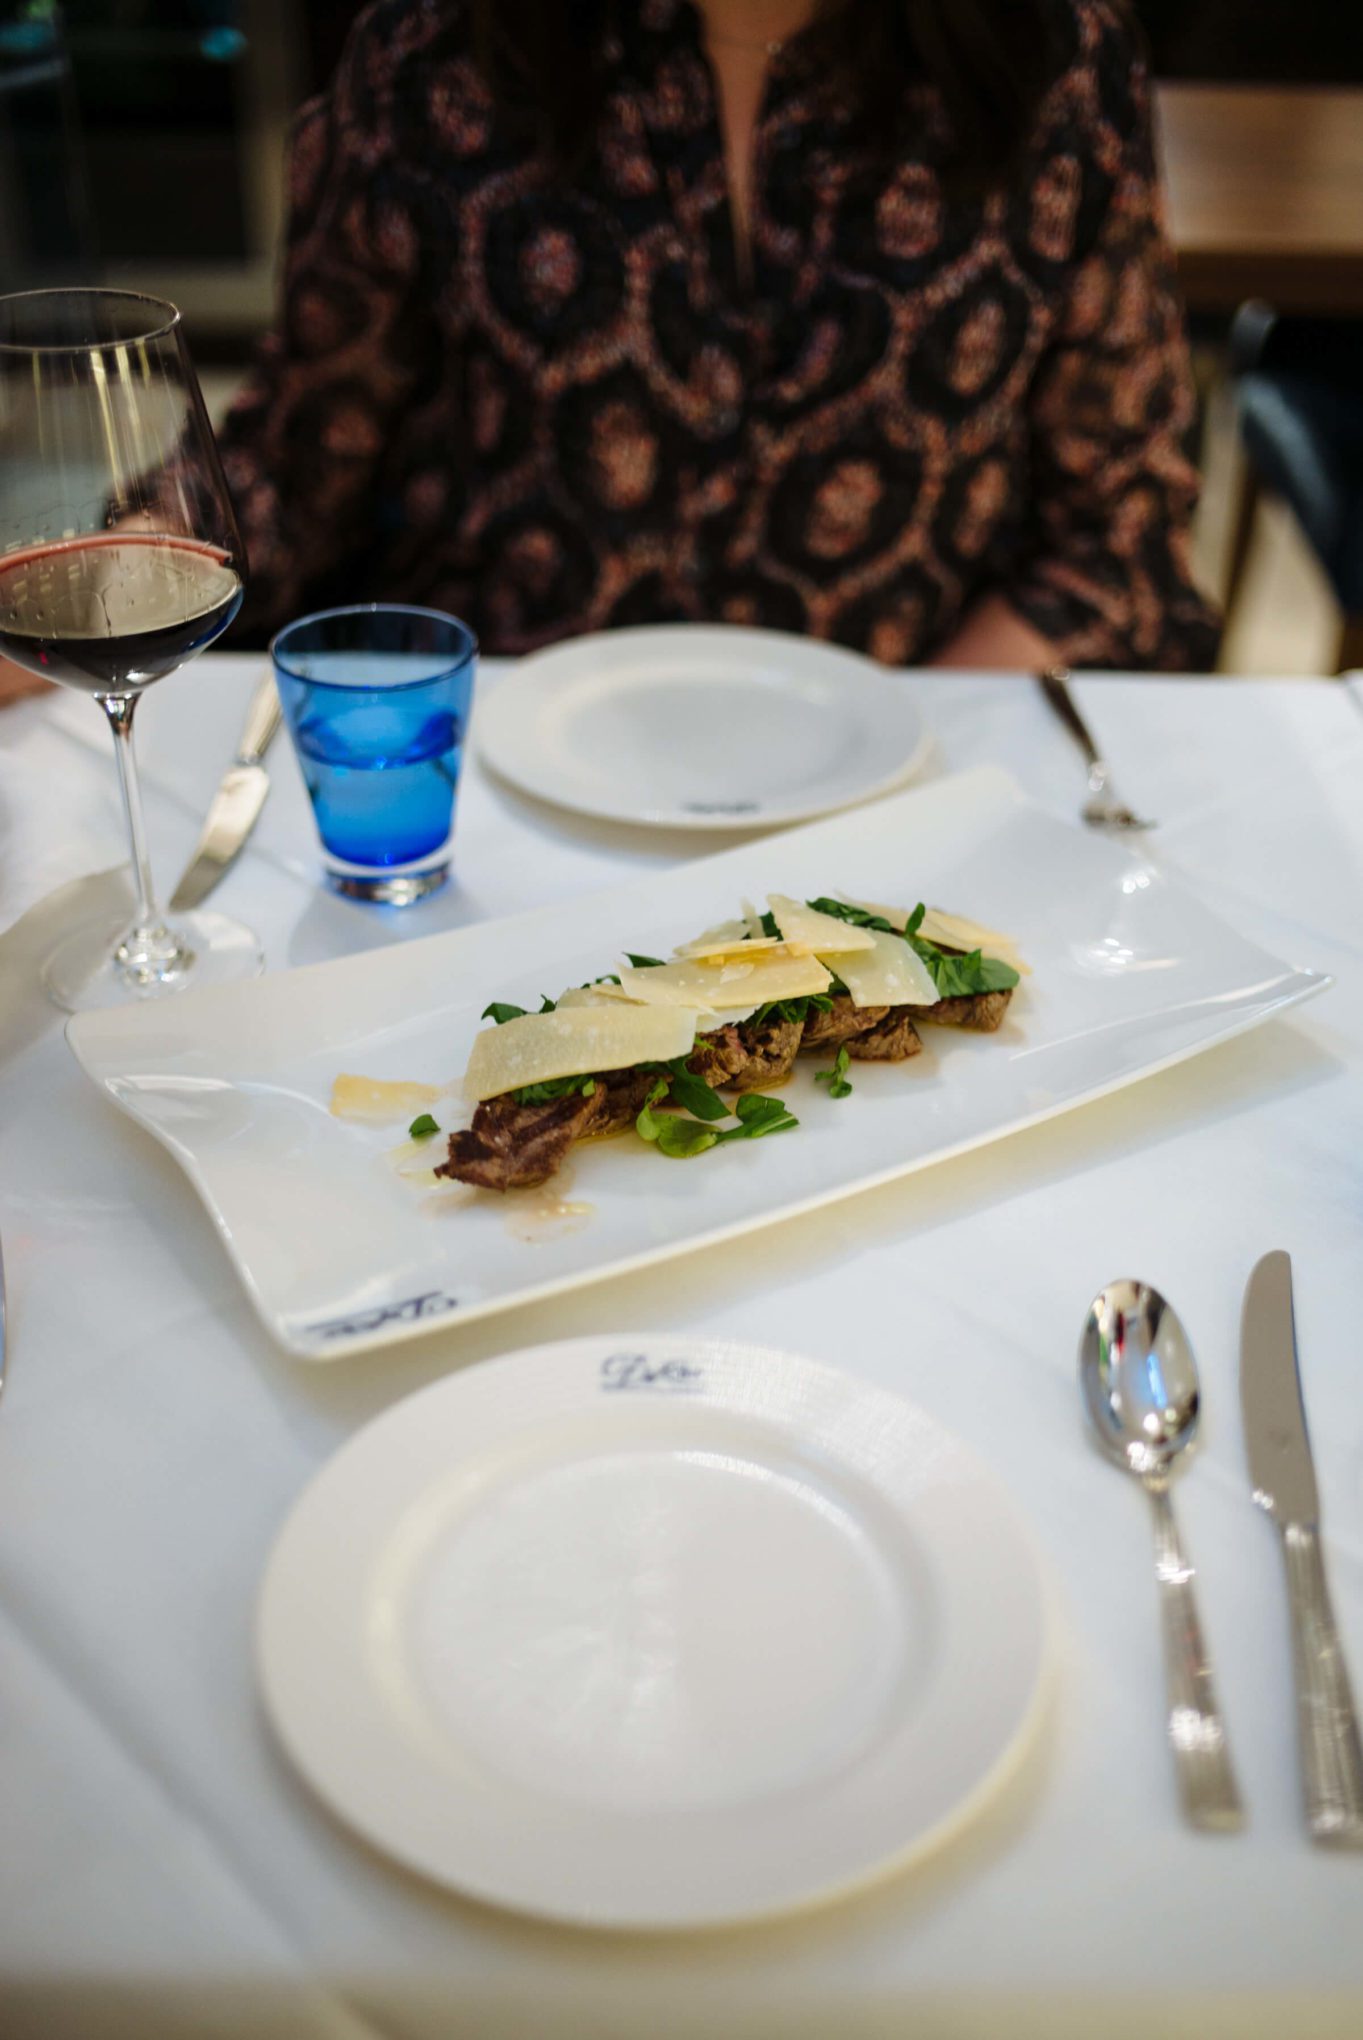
(742, 1057)
(511, 1146)
(982, 1011)
(719, 1056)
(893, 1038)
(772, 1049)
(845, 1021)
(620, 1096)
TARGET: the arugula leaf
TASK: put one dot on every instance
(649, 1124)
(500, 1012)
(797, 1011)
(857, 917)
(642, 962)
(607, 978)
(964, 977)
(759, 1115)
(836, 1078)
(682, 1138)
(694, 1093)
(769, 926)
(956, 977)
(554, 1087)
(422, 1127)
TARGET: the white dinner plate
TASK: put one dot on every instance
(339, 1251)
(701, 727)
(653, 1632)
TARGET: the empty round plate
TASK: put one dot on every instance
(691, 726)
(652, 1632)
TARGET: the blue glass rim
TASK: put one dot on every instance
(455, 661)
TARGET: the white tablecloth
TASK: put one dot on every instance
(162, 1871)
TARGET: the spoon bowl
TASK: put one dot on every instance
(1139, 1378)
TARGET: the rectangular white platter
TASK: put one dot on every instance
(338, 1252)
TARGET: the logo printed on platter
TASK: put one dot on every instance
(622, 1372)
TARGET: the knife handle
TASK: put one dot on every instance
(1331, 1759)
(262, 720)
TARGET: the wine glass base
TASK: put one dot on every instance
(83, 971)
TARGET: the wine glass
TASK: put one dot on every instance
(119, 559)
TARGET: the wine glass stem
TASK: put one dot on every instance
(119, 709)
(150, 952)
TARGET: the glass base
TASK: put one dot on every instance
(102, 965)
(387, 888)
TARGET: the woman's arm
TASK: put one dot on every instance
(17, 681)
(303, 444)
(994, 638)
(1103, 576)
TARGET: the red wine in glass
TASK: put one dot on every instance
(116, 609)
(119, 560)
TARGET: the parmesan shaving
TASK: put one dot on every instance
(727, 982)
(584, 1039)
(889, 974)
(372, 1100)
(950, 931)
(953, 931)
(824, 934)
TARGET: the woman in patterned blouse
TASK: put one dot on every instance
(853, 319)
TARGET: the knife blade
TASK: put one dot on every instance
(235, 807)
(1284, 1483)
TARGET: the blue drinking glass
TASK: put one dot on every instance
(377, 700)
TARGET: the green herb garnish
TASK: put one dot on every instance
(500, 1012)
(422, 1127)
(796, 1011)
(956, 977)
(643, 962)
(857, 917)
(682, 1138)
(553, 1087)
(836, 1078)
(694, 1093)
(759, 1115)
(649, 1125)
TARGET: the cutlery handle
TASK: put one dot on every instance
(1054, 687)
(1197, 1735)
(262, 720)
(1331, 1760)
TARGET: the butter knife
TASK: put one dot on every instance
(236, 805)
(1285, 1485)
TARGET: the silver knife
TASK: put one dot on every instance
(1285, 1485)
(236, 805)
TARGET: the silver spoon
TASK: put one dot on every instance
(1140, 1384)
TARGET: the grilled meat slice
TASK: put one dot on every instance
(742, 1057)
(893, 1038)
(981, 1011)
(511, 1146)
(772, 1049)
(620, 1096)
(845, 1021)
(719, 1056)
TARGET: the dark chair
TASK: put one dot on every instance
(1299, 384)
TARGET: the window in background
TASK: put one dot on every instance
(45, 227)
(170, 115)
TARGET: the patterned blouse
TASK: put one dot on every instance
(555, 405)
